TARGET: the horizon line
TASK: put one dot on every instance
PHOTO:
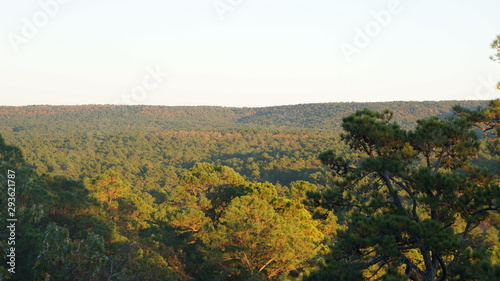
(226, 106)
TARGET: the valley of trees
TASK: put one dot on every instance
(160, 193)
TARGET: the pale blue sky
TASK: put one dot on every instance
(262, 53)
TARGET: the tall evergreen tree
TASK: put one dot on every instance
(413, 198)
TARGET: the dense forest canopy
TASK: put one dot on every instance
(339, 191)
(275, 144)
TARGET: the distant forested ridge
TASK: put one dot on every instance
(324, 116)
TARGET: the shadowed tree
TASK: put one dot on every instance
(62, 258)
(413, 197)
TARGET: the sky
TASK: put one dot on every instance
(246, 53)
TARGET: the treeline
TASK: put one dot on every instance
(112, 118)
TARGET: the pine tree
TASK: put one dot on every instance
(413, 197)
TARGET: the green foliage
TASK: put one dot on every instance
(207, 193)
(62, 258)
(485, 119)
(63, 232)
(11, 156)
(244, 230)
(409, 192)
